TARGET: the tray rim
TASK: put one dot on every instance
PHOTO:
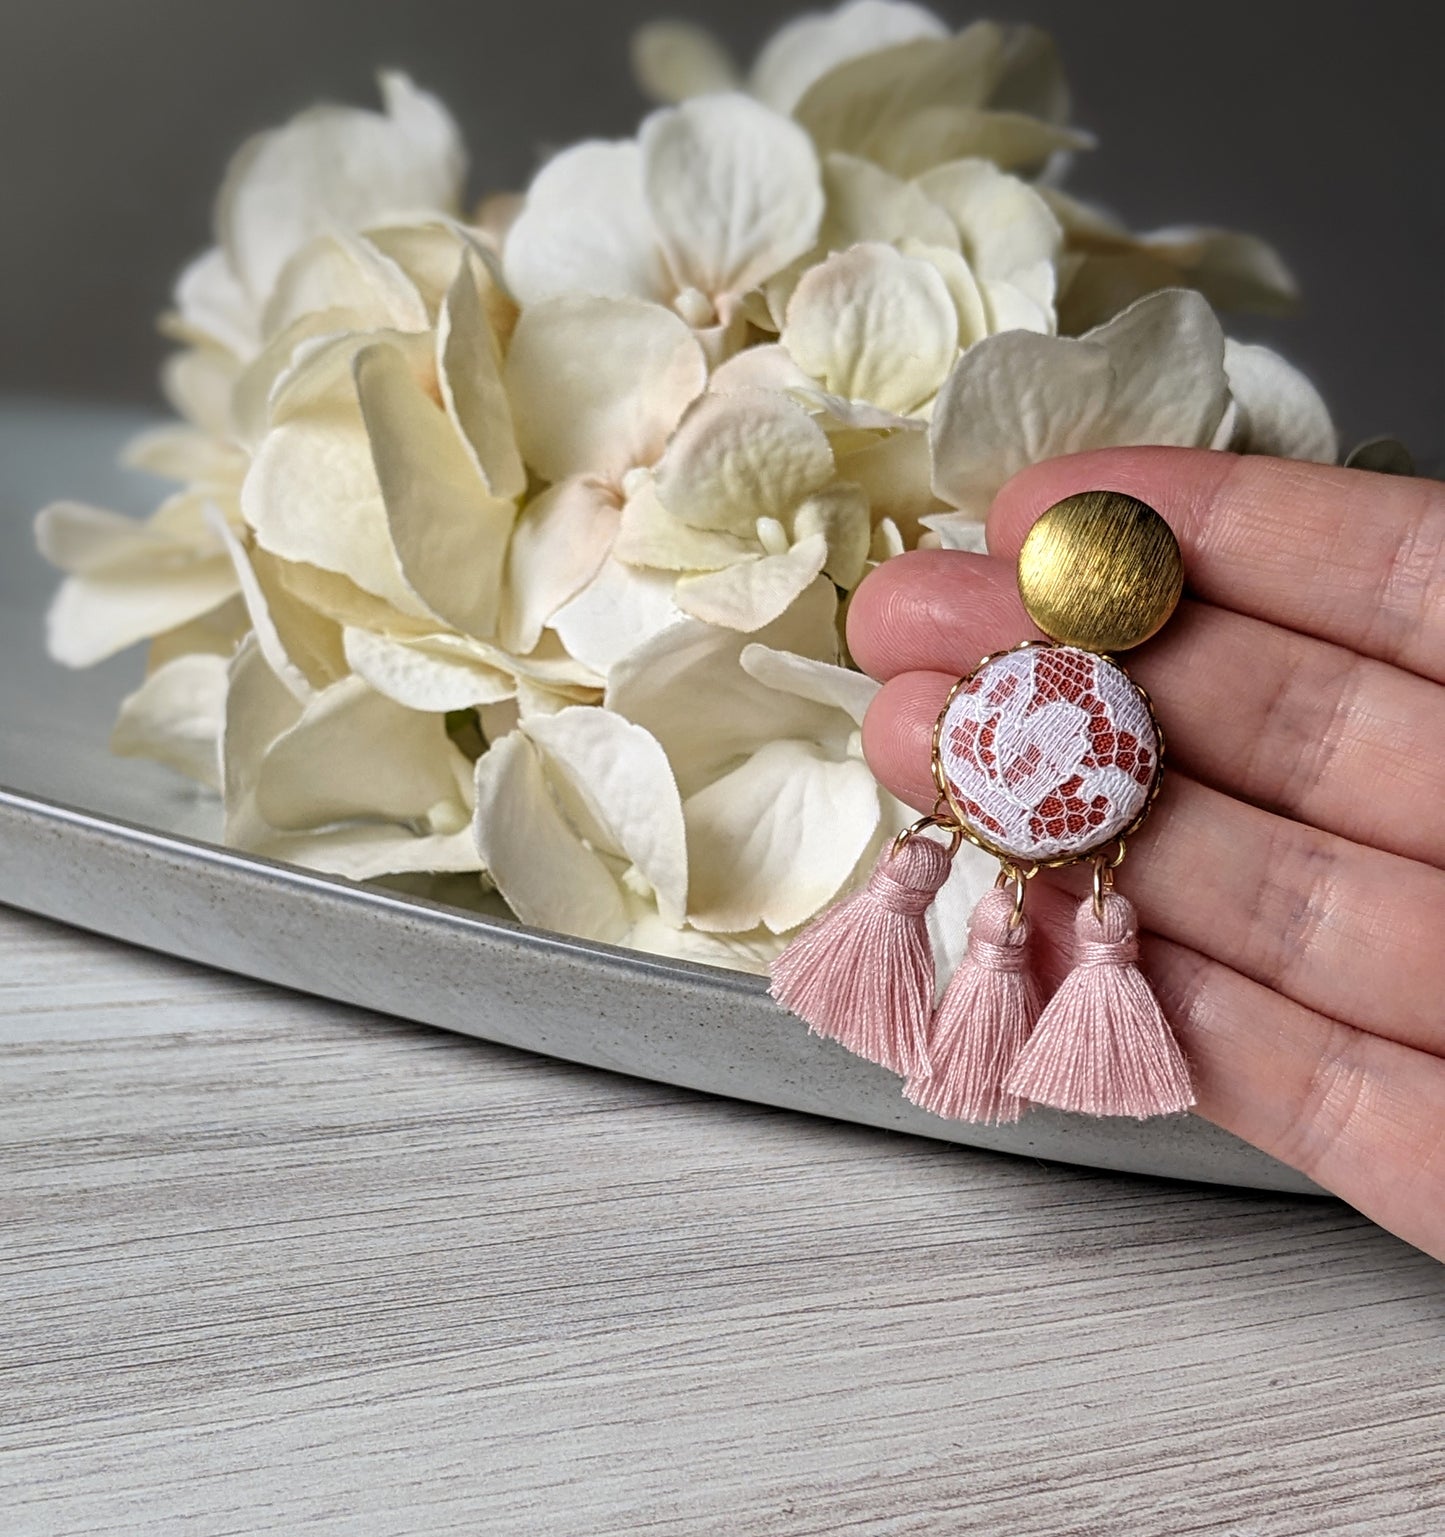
(810, 1076)
(364, 894)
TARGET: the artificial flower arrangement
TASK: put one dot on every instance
(517, 539)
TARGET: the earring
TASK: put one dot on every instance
(1045, 755)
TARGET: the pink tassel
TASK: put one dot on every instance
(862, 974)
(1103, 1046)
(986, 1015)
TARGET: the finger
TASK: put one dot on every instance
(1348, 744)
(936, 611)
(1337, 927)
(1359, 1115)
(1349, 557)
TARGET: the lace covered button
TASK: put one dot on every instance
(1049, 753)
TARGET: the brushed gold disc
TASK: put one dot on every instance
(1101, 571)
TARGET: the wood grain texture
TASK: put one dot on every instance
(271, 1265)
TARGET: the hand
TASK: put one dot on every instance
(1291, 877)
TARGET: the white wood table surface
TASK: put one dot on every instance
(272, 1265)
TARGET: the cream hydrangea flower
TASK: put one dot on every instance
(885, 80)
(176, 716)
(348, 782)
(518, 547)
(778, 804)
(387, 458)
(335, 221)
(810, 456)
(329, 169)
(1105, 267)
(711, 835)
(991, 236)
(579, 821)
(708, 202)
(126, 579)
(1160, 373)
(285, 267)
(596, 385)
(745, 507)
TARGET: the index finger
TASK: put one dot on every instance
(1347, 556)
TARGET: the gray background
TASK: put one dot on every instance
(1316, 125)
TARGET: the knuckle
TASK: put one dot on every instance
(1326, 1108)
(1412, 584)
(1295, 901)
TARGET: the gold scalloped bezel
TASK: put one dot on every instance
(981, 840)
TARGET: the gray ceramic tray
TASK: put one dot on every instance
(126, 849)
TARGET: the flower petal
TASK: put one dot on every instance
(434, 673)
(450, 533)
(1155, 374)
(881, 91)
(734, 189)
(1112, 266)
(179, 452)
(586, 229)
(840, 514)
(1008, 232)
(613, 777)
(259, 707)
(353, 753)
(546, 873)
(768, 367)
(338, 598)
(971, 307)
(807, 677)
(895, 472)
(660, 683)
(301, 646)
(598, 384)
(1167, 353)
(740, 457)
(807, 47)
(1282, 412)
(753, 951)
(312, 497)
(434, 145)
(259, 711)
(1232, 270)
(865, 202)
(429, 253)
(672, 60)
(362, 851)
(199, 383)
(957, 531)
(1031, 75)
(469, 369)
(213, 306)
(335, 166)
(937, 134)
(558, 546)
(1013, 400)
(218, 632)
(339, 270)
(175, 717)
(648, 535)
(88, 541)
(874, 325)
(772, 841)
(618, 610)
(131, 583)
(755, 590)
